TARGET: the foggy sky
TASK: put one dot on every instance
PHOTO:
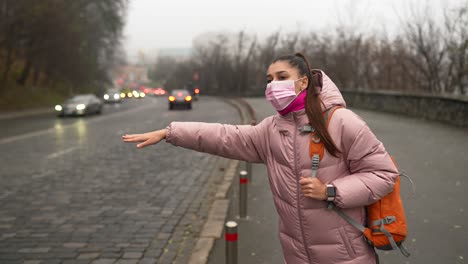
(158, 24)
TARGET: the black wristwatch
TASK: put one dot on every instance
(331, 193)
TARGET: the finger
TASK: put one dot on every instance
(304, 180)
(130, 136)
(309, 184)
(126, 137)
(142, 145)
(135, 139)
(133, 136)
(146, 143)
(309, 189)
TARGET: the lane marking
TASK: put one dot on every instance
(60, 153)
(97, 119)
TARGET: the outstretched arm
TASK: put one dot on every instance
(242, 142)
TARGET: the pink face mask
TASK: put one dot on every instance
(281, 93)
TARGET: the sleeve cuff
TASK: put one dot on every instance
(168, 133)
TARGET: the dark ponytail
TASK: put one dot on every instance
(313, 103)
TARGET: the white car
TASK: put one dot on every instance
(112, 96)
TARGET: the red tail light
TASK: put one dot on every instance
(180, 94)
(197, 91)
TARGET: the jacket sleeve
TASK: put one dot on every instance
(373, 173)
(241, 142)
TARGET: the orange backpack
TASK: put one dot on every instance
(386, 222)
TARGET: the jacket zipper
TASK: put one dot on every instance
(298, 192)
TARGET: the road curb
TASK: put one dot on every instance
(213, 227)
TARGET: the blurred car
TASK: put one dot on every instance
(180, 98)
(127, 93)
(82, 104)
(159, 91)
(146, 90)
(112, 96)
(137, 94)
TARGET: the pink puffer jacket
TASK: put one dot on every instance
(308, 231)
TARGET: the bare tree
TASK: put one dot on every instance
(456, 42)
(425, 37)
(427, 57)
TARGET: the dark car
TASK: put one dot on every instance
(82, 104)
(180, 98)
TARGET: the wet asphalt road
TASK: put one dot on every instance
(72, 192)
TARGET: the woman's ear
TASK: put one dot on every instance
(304, 83)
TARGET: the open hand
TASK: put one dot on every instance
(147, 139)
(313, 188)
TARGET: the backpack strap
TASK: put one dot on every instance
(329, 114)
(381, 222)
(346, 217)
(316, 147)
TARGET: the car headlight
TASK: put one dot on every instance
(58, 108)
(80, 107)
(106, 97)
(116, 96)
(142, 94)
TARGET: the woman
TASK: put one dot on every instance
(355, 164)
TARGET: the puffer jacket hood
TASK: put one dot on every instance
(308, 231)
(330, 94)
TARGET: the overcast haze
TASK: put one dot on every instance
(156, 24)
